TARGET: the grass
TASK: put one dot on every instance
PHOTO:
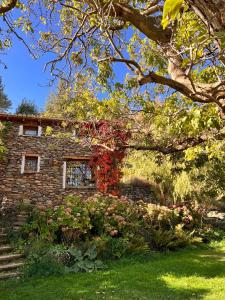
(193, 273)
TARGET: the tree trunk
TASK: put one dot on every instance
(211, 12)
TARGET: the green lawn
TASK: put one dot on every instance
(197, 273)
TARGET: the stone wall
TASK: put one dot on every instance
(48, 183)
(135, 192)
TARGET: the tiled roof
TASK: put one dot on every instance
(31, 118)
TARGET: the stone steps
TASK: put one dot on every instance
(3, 241)
(9, 257)
(10, 266)
(18, 224)
(3, 238)
(5, 249)
(10, 262)
(3, 230)
(9, 275)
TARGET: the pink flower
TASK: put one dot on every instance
(114, 232)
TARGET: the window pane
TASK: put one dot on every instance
(31, 164)
(30, 131)
(79, 174)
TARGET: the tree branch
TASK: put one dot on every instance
(126, 61)
(155, 78)
(8, 7)
(183, 145)
(18, 36)
(151, 10)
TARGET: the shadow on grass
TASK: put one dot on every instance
(133, 279)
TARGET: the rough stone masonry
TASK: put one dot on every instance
(45, 184)
(25, 138)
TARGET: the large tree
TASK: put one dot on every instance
(180, 56)
(186, 56)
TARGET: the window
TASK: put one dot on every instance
(27, 130)
(30, 164)
(78, 174)
(30, 131)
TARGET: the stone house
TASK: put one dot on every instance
(40, 167)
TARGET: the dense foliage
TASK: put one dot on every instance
(107, 153)
(27, 107)
(174, 179)
(184, 55)
(79, 232)
(45, 259)
(178, 49)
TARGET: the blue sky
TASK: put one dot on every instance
(24, 76)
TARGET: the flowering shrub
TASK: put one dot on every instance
(69, 221)
(177, 226)
(116, 225)
(114, 216)
(190, 216)
(78, 219)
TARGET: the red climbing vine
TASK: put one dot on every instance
(107, 153)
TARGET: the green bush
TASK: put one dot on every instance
(177, 178)
(117, 226)
(172, 239)
(113, 248)
(39, 261)
(77, 220)
(44, 259)
(171, 228)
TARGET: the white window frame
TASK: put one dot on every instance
(64, 185)
(24, 161)
(64, 175)
(39, 130)
(74, 134)
(21, 131)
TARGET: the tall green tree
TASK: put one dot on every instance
(5, 103)
(185, 56)
(80, 102)
(27, 107)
